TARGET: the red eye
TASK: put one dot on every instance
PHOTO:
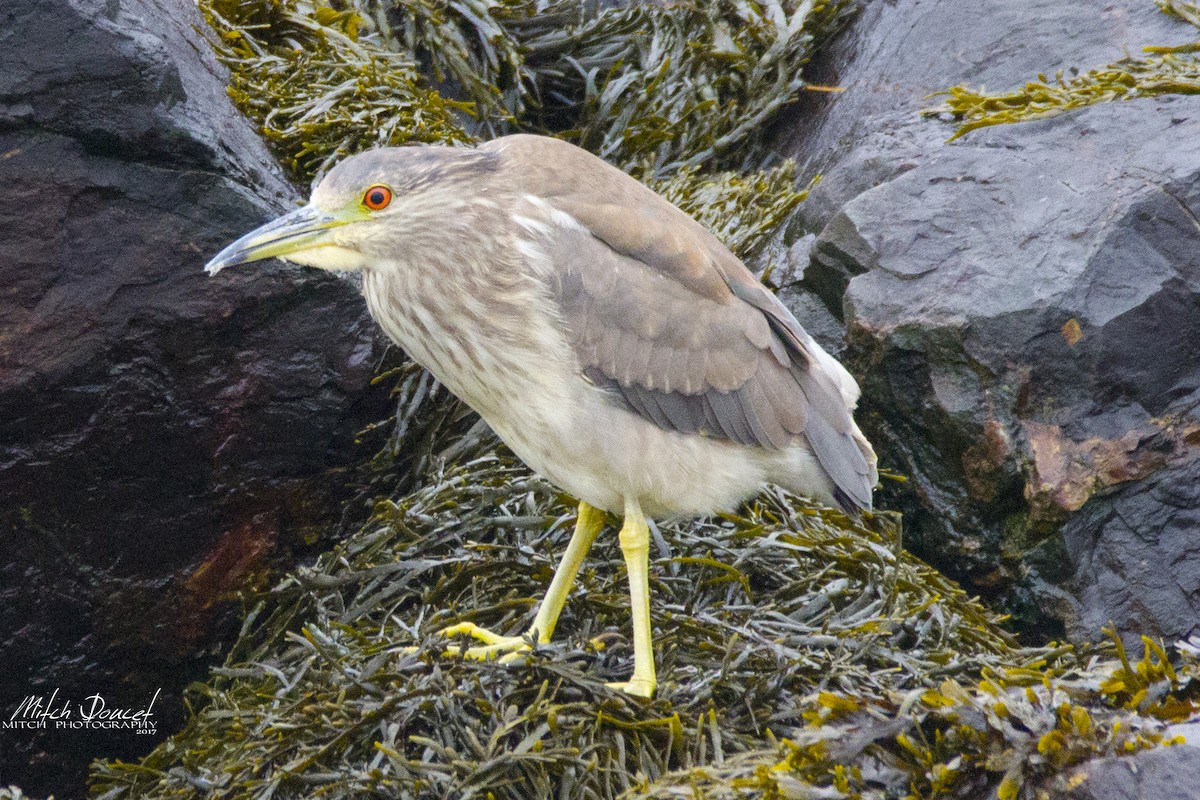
(377, 197)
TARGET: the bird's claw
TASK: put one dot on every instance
(503, 648)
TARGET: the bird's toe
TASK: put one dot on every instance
(475, 632)
(638, 687)
(506, 648)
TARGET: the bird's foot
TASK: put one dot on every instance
(504, 648)
(638, 687)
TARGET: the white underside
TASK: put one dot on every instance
(602, 454)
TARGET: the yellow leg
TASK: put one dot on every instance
(635, 544)
(587, 527)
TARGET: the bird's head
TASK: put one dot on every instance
(368, 209)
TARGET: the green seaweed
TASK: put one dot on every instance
(648, 86)
(753, 612)
(651, 87)
(1019, 733)
(743, 210)
(657, 86)
(1180, 9)
(318, 90)
(1164, 70)
(467, 48)
(1016, 736)
(795, 647)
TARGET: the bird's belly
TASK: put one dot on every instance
(601, 454)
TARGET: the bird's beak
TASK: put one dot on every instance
(302, 229)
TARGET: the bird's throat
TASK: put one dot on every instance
(332, 258)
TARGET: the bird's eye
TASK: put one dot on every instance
(377, 197)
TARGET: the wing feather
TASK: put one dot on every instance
(684, 412)
(764, 422)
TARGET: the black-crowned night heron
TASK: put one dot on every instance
(610, 340)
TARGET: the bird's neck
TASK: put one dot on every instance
(477, 327)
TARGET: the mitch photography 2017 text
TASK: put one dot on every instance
(39, 711)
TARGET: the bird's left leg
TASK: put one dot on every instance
(635, 545)
(587, 527)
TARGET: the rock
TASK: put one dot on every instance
(1124, 543)
(161, 434)
(1022, 305)
(1165, 773)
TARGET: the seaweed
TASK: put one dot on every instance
(743, 210)
(651, 87)
(318, 90)
(657, 86)
(753, 612)
(1016, 735)
(1180, 9)
(466, 47)
(1163, 70)
(795, 647)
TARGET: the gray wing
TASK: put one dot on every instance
(722, 360)
(665, 317)
(684, 360)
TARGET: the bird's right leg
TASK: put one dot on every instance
(635, 545)
(587, 526)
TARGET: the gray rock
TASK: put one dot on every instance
(161, 434)
(1165, 773)
(1022, 305)
(1136, 556)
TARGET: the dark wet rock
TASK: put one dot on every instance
(1136, 555)
(162, 435)
(1023, 305)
